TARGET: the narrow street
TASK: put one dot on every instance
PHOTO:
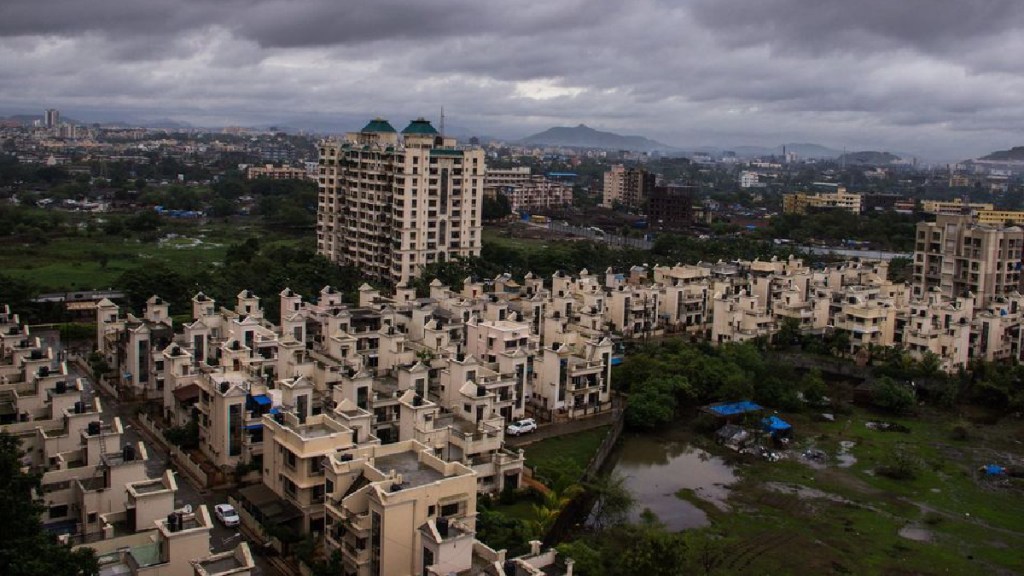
(222, 538)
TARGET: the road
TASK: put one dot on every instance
(222, 538)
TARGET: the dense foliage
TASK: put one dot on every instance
(883, 230)
(665, 378)
(266, 270)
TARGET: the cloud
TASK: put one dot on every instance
(936, 76)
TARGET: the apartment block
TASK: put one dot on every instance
(536, 194)
(275, 172)
(393, 203)
(671, 207)
(399, 509)
(956, 207)
(800, 203)
(627, 186)
(956, 255)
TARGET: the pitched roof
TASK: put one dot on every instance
(378, 125)
(419, 126)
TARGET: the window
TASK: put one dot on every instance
(451, 509)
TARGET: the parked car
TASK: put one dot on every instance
(523, 426)
(226, 514)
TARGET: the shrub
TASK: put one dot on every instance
(900, 465)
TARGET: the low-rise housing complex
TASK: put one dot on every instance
(93, 481)
(276, 172)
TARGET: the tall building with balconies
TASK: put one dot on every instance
(958, 256)
(390, 203)
(627, 186)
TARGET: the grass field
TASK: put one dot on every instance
(97, 261)
(578, 448)
(500, 237)
(828, 519)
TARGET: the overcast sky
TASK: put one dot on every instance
(940, 78)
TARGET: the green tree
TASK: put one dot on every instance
(496, 208)
(612, 500)
(892, 396)
(813, 387)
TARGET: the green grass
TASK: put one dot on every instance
(579, 448)
(499, 237)
(97, 261)
(522, 509)
(855, 528)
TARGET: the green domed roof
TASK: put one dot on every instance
(378, 125)
(419, 126)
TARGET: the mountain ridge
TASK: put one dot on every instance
(583, 136)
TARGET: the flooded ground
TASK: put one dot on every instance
(657, 467)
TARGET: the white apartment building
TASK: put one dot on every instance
(393, 203)
(957, 255)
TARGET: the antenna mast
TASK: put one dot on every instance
(442, 121)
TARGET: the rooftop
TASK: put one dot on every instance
(378, 125)
(414, 473)
(419, 126)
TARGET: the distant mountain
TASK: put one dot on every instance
(586, 137)
(1015, 154)
(868, 158)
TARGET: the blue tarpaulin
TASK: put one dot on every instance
(734, 408)
(774, 424)
(275, 411)
(253, 426)
(616, 361)
(261, 399)
(994, 470)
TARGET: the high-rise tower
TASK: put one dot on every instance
(393, 203)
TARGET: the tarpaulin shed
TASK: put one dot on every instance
(775, 425)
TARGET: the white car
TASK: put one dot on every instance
(226, 514)
(521, 427)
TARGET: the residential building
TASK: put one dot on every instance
(748, 179)
(628, 187)
(537, 194)
(399, 509)
(671, 207)
(800, 203)
(393, 203)
(275, 172)
(953, 207)
(959, 256)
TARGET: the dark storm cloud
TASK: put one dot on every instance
(811, 27)
(939, 74)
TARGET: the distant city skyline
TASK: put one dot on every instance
(940, 79)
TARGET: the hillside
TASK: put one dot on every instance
(868, 158)
(1015, 154)
(583, 136)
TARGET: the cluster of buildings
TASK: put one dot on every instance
(94, 486)
(53, 140)
(636, 189)
(963, 304)
(387, 414)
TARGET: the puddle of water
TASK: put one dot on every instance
(656, 467)
(915, 533)
(843, 458)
